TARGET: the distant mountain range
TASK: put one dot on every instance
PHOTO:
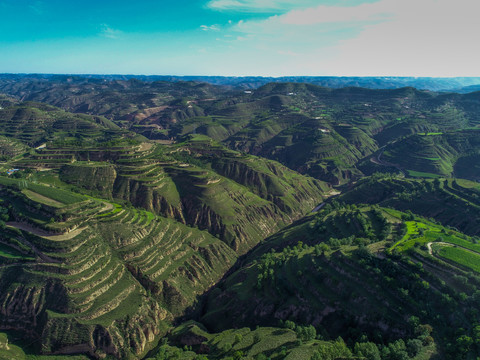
(454, 84)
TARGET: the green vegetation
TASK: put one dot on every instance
(460, 256)
(420, 174)
(170, 222)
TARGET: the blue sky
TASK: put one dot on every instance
(241, 37)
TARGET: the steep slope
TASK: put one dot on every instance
(241, 199)
(452, 202)
(98, 278)
(356, 272)
(436, 153)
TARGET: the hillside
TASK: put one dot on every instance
(438, 153)
(452, 202)
(365, 269)
(159, 219)
(319, 131)
(108, 274)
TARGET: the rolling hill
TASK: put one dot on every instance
(157, 219)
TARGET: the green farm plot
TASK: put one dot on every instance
(10, 253)
(431, 133)
(417, 232)
(461, 256)
(43, 193)
(467, 184)
(116, 209)
(425, 232)
(42, 199)
(65, 197)
(422, 174)
(462, 243)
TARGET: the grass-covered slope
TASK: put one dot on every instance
(360, 273)
(314, 130)
(84, 275)
(437, 153)
(34, 123)
(240, 198)
(452, 202)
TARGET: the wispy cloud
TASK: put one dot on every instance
(319, 19)
(38, 7)
(259, 5)
(109, 32)
(210, 27)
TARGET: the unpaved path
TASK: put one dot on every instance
(29, 228)
(378, 160)
(23, 226)
(45, 234)
(107, 207)
(332, 193)
(429, 246)
(318, 207)
(66, 236)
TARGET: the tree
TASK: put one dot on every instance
(414, 346)
(310, 333)
(332, 351)
(398, 350)
(290, 325)
(464, 343)
(367, 350)
(238, 338)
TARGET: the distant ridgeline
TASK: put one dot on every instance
(166, 218)
(457, 84)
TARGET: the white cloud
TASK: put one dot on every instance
(209, 27)
(388, 37)
(259, 5)
(427, 38)
(334, 14)
(109, 32)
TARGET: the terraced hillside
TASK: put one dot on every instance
(362, 268)
(452, 202)
(318, 131)
(34, 123)
(129, 103)
(242, 199)
(438, 153)
(182, 220)
(85, 275)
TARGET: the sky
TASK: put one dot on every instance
(241, 37)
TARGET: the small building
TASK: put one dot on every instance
(11, 171)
